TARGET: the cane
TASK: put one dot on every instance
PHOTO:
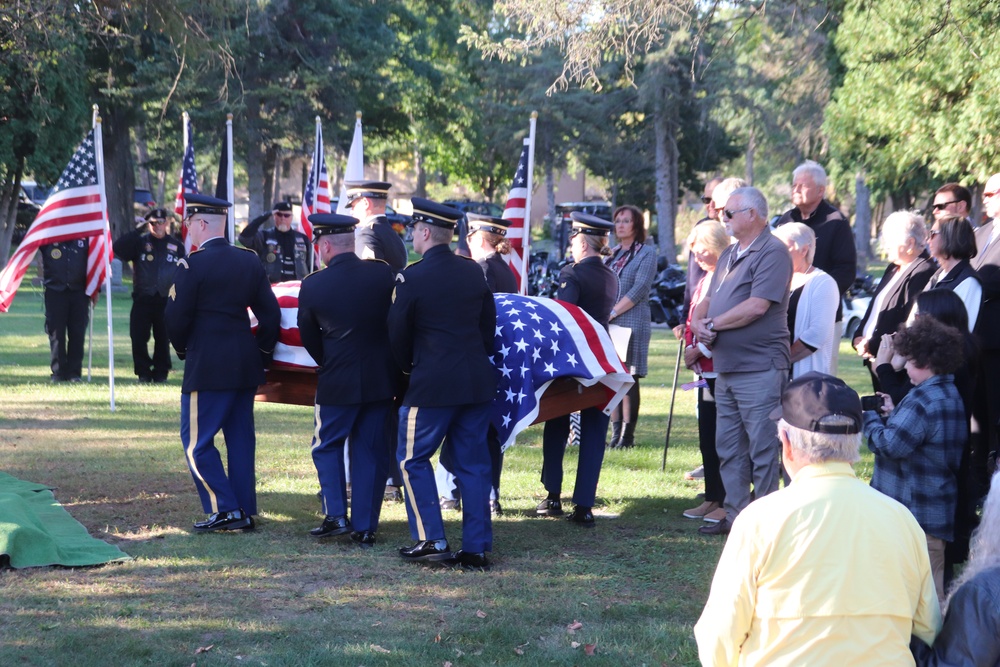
(673, 396)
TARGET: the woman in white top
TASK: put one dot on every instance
(952, 243)
(812, 307)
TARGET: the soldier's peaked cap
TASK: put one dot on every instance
(433, 213)
(331, 223)
(585, 223)
(205, 204)
(486, 223)
(370, 189)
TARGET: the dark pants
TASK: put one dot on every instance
(203, 415)
(146, 317)
(445, 478)
(593, 426)
(370, 460)
(421, 432)
(66, 315)
(714, 490)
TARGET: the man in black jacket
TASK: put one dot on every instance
(209, 328)
(67, 312)
(375, 238)
(285, 253)
(154, 255)
(441, 327)
(342, 315)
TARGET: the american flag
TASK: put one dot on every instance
(316, 198)
(515, 213)
(74, 210)
(537, 341)
(188, 185)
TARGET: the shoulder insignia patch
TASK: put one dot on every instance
(562, 285)
(400, 278)
(182, 263)
(173, 292)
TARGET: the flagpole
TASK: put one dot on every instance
(317, 155)
(526, 244)
(99, 157)
(230, 188)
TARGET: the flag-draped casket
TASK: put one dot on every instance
(551, 359)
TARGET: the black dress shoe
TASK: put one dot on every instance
(495, 509)
(332, 525)
(470, 561)
(364, 538)
(721, 528)
(393, 494)
(582, 516)
(235, 520)
(549, 507)
(427, 550)
(449, 504)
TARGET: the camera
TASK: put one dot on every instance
(872, 403)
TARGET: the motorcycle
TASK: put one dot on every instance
(666, 296)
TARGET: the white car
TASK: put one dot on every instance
(854, 310)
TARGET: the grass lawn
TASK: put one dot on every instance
(635, 585)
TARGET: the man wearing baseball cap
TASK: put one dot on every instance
(826, 571)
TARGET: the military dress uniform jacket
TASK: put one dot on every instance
(154, 261)
(499, 276)
(441, 327)
(284, 255)
(208, 323)
(590, 285)
(376, 239)
(64, 265)
(342, 321)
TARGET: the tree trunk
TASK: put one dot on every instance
(269, 190)
(666, 181)
(420, 189)
(9, 188)
(142, 158)
(256, 185)
(751, 151)
(550, 197)
(862, 220)
(119, 177)
(383, 170)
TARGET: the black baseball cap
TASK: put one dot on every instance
(810, 398)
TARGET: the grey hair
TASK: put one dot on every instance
(813, 169)
(820, 447)
(799, 235)
(910, 223)
(725, 188)
(984, 549)
(753, 198)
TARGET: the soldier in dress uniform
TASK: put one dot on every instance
(441, 327)
(224, 361)
(487, 240)
(592, 286)
(67, 310)
(342, 315)
(285, 253)
(374, 237)
(154, 255)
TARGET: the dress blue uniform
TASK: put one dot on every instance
(374, 237)
(209, 327)
(593, 287)
(154, 260)
(67, 310)
(441, 328)
(342, 321)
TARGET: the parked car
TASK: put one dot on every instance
(601, 209)
(34, 193)
(856, 301)
(480, 207)
(396, 219)
(143, 198)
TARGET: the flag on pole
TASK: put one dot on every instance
(355, 170)
(224, 179)
(188, 182)
(316, 198)
(515, 213)
(74, 210)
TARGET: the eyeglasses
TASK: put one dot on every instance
(934, 232)
(729, 214)
(943, 205)
(622, 221)
(282, 215)
(157, 221)
(706, 200)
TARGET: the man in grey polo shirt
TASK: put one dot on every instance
(744, 319)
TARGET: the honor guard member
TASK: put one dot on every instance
(67, 307)
(592, 286)
(342, 314)
(285, 253)
(154, 255)
(487, 240)
(374, 238)
(209, 327)
(441, 327)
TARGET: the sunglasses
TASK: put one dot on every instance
(283, 215)
(157, 221)
(730, 214)
(942, 206)
(706, 200)
(934, 232)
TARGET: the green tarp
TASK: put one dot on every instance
(36, 531)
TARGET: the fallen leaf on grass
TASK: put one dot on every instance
(574, 644)
(379, 649)
(480, 613)
(204, 649)
(574, 626)
(518, 651)
(589, 648)
(447, 663)
(437, 639)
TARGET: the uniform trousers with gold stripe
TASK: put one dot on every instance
(203, 415)
(370, 459)
(421, 432)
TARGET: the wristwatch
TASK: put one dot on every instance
(711, 325)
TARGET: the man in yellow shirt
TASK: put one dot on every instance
(827, 571)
